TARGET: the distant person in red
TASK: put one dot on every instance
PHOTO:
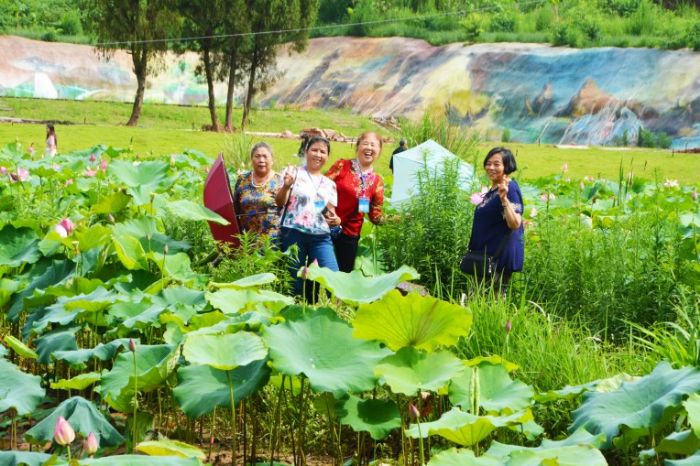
(360, 192)
(403, 145)
(51, 141)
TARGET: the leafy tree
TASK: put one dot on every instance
(291, 18)
(141, 26)
(236, 23)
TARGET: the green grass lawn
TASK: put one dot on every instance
(166, 129)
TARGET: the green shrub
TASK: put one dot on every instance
(646, 138)
(590, 27)
(564, 34)
(644, 20)
(620, 7)
(70, 24)
(663, 140)
(692, 36)
(503, 22)
(543, 18)
(49, 36)
(505, 136)
(472, 28)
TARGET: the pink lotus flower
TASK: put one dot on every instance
(63, 433)
(413, 412)
(22, 174)
(103, 165)
(3, 170)
(93, 157)
(547, 197)
(64, 228)
(132, 345)
(91, 444)
(90, 172)
(69, 181)
(476, 198)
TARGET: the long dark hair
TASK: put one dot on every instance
(50, 131)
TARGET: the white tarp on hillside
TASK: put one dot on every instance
(408, 163)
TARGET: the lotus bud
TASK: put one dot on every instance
(110, 217)
(509, 326)
(91, 444)
(68, 225)
(304, 273)
(132, 345)
(166, 249)
(61, 231)
(22, 174)
(413, 412)
(3, 170)
(103, 165)
(63, 433)
(694, 194)
(93, 157)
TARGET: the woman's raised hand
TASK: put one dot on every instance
(503, 189)
(290, 173)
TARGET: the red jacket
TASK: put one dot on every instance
(349, 184)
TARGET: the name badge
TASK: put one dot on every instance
(364, 205)
(319, 204)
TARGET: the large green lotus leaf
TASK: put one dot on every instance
(178, 295)
(168, 447)
(233, 300)
(26, 458)
(464, 428)
(93, 237)
(677, 443)
(496, 391)
(145, 230)
(355, 288)
(43, 275)
(641, 405)
(423, 322)
(67, 309)
(462, 457)
(20, 348)
(112, 203)
(608, 384)
(130, 251)
(203, 388)
(79, 382)
(693, 460)
(692, 407)
(224, 352)
(140, 460)
(83, 416)
(153, 365)
(103, 352)
(18, 246)
(258, 279)
(411, 370)
(174, 266)
(7, 288)
(378, 417)
(19, 390)
(142, 179)
(321, 346)
(188, 210)
(492, 359)
(581, 446)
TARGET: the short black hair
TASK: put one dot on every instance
(314, 139)
(509, 165)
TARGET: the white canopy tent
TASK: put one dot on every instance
(408, 163)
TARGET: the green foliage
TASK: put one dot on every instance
(70, 24)
(692, 36)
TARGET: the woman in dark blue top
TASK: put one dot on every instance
(498, 221)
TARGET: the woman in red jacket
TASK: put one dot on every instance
(360, 191)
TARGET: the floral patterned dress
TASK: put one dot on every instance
(255, 205)
(310, 194)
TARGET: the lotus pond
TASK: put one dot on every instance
(129, 339)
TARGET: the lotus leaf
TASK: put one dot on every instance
(203, 388)
(27, 458)
(20, 348)
(142, 179)
(231, 300)
(378, 417)
(19, 390)
(140, 460)
(67, 309)
(7, 288)
(43, 276)
(175, 266)
(677, 443)
(167, 447)
(223, 352)
(643, 405)
(355, 288)
(693, 460)
(464, 428)
(188, 210)
(3, 352)
(410, 370)
(130, 251)
(565, 451)
(572, 391)
(103, 352)
(258, 279)
(111, 204)
(462, 457)
(412, 320)
(321, 346)
(692, 407)
(177, 295)
(79, 382)
(83, 417)
(146, 231)
(18, 246)
(495, 390)
(153, 365)
(493, 359)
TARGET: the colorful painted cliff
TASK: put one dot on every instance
(537, 92)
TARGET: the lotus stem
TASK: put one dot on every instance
(273, 434)
(135, 401)
(234, 445)
(302, 420)
(211, 434)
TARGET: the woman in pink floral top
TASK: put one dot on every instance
(309, 199)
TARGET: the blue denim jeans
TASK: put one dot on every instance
(311, 247)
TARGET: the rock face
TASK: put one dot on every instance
(539, 92)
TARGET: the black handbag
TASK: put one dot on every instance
(479, 264)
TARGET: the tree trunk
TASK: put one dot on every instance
(210, 88)
(232, 68)
(139, 56)
(251, 87)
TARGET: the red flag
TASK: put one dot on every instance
(218, 197)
